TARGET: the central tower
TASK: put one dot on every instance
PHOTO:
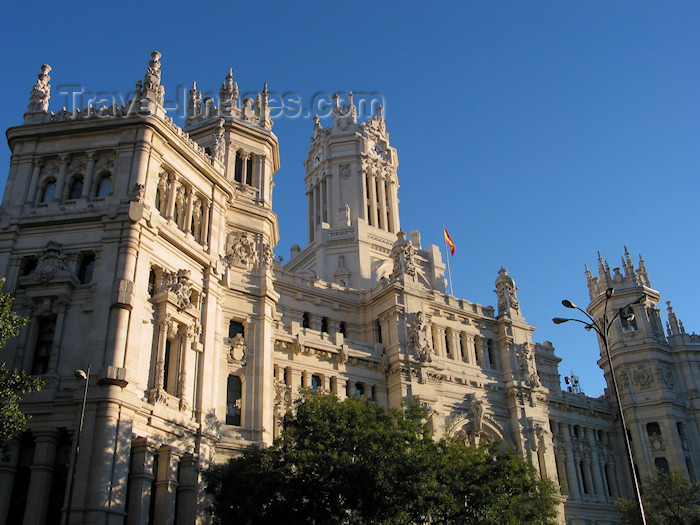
(352, 194)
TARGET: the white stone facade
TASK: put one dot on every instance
(146, 252)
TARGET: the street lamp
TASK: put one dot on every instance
(602, 328)
(85, 376)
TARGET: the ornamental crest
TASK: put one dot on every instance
(642, 376)
(51, 262)
(237, 350)
(241, 254)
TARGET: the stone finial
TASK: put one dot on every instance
(672, 325)
(642, 273)
(41, 92)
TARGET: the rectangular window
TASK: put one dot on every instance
(42, 348)
(233, 401)
(316, 382)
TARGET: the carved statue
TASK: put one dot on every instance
(41, 92)
(403, 256)
(178, 283)
(505, 289)
(152, 78)
(419, 338)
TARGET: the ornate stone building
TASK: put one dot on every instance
(145, 252)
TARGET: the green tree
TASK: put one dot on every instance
(13, 383)
(352, 462)
(669, 499)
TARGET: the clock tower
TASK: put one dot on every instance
(352, 195)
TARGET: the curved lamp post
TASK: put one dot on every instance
(85, 376)
(602, 328)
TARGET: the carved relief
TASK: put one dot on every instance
(642, 377)
(267, 257)
(345, 171)
(665, 375)
(138, 192)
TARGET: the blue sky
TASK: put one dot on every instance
(537, 132)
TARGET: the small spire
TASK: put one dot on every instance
(673, 325)
(642, 273)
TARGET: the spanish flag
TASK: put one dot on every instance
(448, 240)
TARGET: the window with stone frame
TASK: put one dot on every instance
(43, 345)
(48, 190)
(86, 268)
(234, 328)
(104, 185)
(306, 320)
(234, 393)
(316, 382)
(75, 190)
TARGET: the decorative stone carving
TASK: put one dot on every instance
(505, 290)
(344, 171)
(51, 262)
(267, 258)
(41, 92)
(179, 284)
(642, 376)
(152, 78)
(238, 351)
(419, 338)
(283, 394)
(241, 254)
(218, 149)
(665, 375)
(402, 253)
(138, 192)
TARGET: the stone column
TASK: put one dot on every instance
(89, 173)
(63, 303)
(163, 328)
(187, 491)
(372, 219)
(140, 479)
(166, 487)
(206, 211)
(187, 226)
(329, 200)
(341, 386)
(188, 368)
(571, 469)
(8, 470)
(244, 167)
(60, 183)
(41, 477)
(595, 465)
(34, 181)
(172, 190)
(381, 208)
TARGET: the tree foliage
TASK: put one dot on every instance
(13, 383)
(668, 499)
(352, 462)
(10, 321)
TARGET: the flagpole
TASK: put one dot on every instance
(447, 254)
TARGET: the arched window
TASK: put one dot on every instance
(104, 187)
(238, 174)
(249, 171)
(48, 191)
(76, 188)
